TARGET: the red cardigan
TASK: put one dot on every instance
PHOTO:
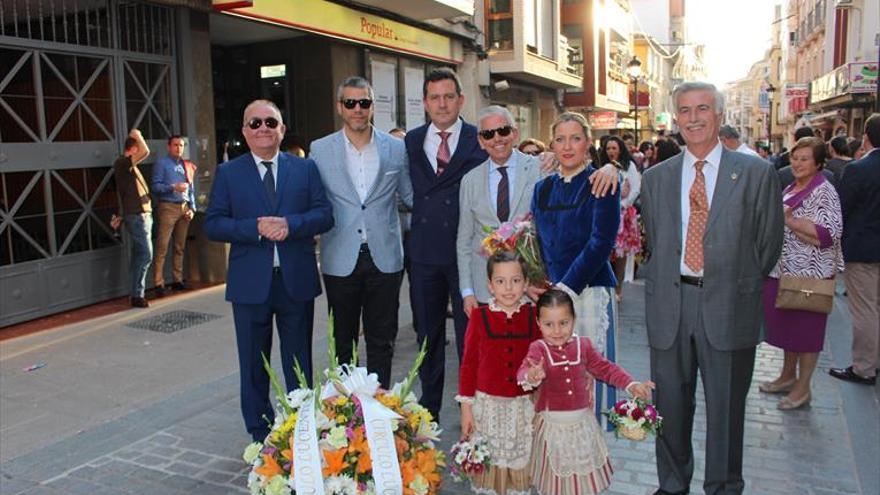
(570, 370)
(494, 346)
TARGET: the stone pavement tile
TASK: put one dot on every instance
(74, 486)
(216, 476)
(14, 486)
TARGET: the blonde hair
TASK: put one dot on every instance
(572, 117)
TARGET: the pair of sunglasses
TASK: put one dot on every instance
(533, 153)
(349, 103)
(256, 122)
(490, 133)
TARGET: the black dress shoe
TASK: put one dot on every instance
(847, 374)
(161, 291)
(661, 491)
(139, 302)
(180, 286)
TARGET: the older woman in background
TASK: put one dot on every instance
(532, 147)
(811, 249)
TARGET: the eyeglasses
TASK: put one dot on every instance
(256, 122)
(490, 133)
(349, 103)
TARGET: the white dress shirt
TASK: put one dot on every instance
(688, 174)
(363, 168)
(432, 141)
(743, 148)
(262, 170)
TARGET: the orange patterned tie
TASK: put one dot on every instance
(693, 250)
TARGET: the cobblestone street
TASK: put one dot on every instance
(190, 441)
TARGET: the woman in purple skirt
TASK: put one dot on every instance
(811, 248)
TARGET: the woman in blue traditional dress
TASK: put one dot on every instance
(577, 231)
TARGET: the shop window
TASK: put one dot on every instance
(18, 98)
(26, 237)
(77, 97)
(148, 98)
(85, 23)
(499, 18)
(145, 28)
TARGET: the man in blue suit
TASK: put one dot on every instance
(440, 153)
(364, 171)
(269, 206)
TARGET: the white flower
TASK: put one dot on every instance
(252, 452)
(340, 485)
(296, 398)
(337, 438)
(419, 485)
(277, 486)
(428, 430)
(255, 484)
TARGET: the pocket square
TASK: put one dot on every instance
(392, 172)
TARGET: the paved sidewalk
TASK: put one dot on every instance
(126, 410)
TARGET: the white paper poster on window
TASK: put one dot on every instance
(385, 88)
(413, 79)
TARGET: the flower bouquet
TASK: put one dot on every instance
(469, 457)
(347, 437)
(634, 419)
(520, 236)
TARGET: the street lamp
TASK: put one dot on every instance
(770, 91)
(634, 71)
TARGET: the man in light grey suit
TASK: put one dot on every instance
(364, 172)
(496, 191)
(714, 227)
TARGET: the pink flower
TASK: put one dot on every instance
(650, 412)
(636, 414)
(505, 231)
(621, 407)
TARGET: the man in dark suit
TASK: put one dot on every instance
(440, 153)
(714, 225)
(269, 206)
(860, 200)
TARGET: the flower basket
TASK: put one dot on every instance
(468, 458)
(634, 419)
(347, 437)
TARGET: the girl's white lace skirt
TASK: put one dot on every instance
(569, 454)
(506, 425)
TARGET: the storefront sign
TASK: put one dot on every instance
(413, 78)
(384, 79)
(830, 85)
(863, 77)
(795, 97)
(336, 20)
(603, 120)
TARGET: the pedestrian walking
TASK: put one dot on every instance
(860, 201)
(628, 242)
(703, 286)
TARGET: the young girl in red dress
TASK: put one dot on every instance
(569, 455)
(493, 406)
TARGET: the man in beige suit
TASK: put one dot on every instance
(494, 192)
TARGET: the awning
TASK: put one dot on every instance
(817, 119)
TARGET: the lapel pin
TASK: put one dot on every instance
(733, 176)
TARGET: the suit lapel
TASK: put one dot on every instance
(383, 149)
(253, 176)
(341, 167)
(423, 165)
(466, 143)
(728, 171)
(675, 195)
(524, 166)
(483, 199)
(284, 171)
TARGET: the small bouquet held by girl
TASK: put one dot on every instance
(518, 236)
(634, 419)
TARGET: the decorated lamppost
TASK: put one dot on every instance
(634, 71)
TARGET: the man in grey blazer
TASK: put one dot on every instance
(364, 172)
(714, 227)
(496, 191)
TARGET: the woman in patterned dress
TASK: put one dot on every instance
(629, 238)
(811, 248)
(576, 230)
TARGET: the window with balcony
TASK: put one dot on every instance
(499, 24)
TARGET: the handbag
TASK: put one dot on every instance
(806, 294)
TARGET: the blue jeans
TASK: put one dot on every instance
(140, 228)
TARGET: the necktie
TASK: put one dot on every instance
(269, 183)
(502, 202)
(699, 215)
(443, 155)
